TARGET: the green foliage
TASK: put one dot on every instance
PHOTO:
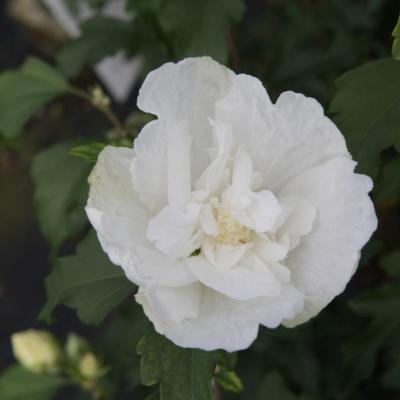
(86, 281)
(16, 383)
(190, 28)
(200, 28)
(24, 92)
(396, 41)
(367, 110)
(60, 192)
(183, 374)
(101, 36)
(89, 152)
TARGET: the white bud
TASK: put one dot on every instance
(90, 366)
(37, 351)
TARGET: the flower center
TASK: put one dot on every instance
(231, 231)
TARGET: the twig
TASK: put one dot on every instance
(104, 109)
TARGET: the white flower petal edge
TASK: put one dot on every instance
(230, 211)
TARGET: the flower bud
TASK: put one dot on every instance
(90, 366)
(37, 351)
(76, 347)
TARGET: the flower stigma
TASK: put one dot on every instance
(231, 231)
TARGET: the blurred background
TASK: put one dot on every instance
(301, 45)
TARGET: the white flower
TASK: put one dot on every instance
(230, 211)
(37, 351)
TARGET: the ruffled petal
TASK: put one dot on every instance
(325, 259)
(187, 91)
(225, 323)
(240, 282)
(282, 139)
(175, 231)
(113, 206)
(301, 218)
(176, 304)
(149, 168)
(155, 268)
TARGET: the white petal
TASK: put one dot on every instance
(157, 269)
(176, 304)
(225, 323)
(175, 232)
(242, 173)
(179, 179)
(219, 324)
(258, 211)
(113, 206)
(208, 222)
(270, 251)
(149, 167)
(282, 140)
(325, 259)
(300, 221)
(212, 178)
(223, 255)
(240, 282)
(187, 91)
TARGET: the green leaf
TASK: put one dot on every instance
(17, 383)
(61, 191)
(24, 92)
(89, 152)
(101, 36)
(396, 41)
(199, 28)
(228, 380)
(367, 110)
(183, 374)
(86, 281)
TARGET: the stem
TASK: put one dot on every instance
(107, 111)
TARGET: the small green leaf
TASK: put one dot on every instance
(101, 36)
(17, 383)
(183, 374)
(86, 281)
(61, 191)
(367, 110)
(89, 152)
(228, 380)
(25, 92)
(396, 42)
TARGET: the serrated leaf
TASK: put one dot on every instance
(367, 110)
(101, 36)
(24, 92)
(60, 192)
(183, 374)
(17, 383)
(228, 380)
(87, 282)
